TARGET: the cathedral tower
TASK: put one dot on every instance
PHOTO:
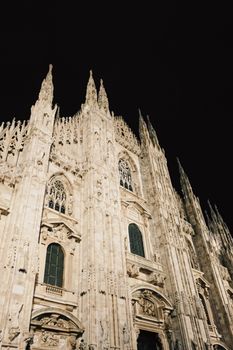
(98, 250)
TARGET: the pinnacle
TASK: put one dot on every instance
(102, 97)
(46, 91)
(91, 93)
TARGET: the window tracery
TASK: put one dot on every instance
(57, 197)
(125, 175)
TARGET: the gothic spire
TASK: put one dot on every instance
(91, 93)
(219, 225)
(46, 90)
(103, 98)
(143, 131)
(212, 212)
(184, 181)
(152, 133)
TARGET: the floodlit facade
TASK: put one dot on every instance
(97, 249)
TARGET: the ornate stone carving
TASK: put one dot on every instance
(58, 195)
(49, 338)
(157, 257)
(11, 256)
(60, 230)
(125, 174)
(54, 329)
(147, 306)
(73, 342)
(12, 139)
(132, 270)
(125, 136)
(157, 279)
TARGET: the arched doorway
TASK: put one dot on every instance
(148, 341)
(151, 315)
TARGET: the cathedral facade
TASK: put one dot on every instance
(97, 250)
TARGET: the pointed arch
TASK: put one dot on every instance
(59, 194)
(128, 173)
(125, 174)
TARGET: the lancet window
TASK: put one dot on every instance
(135, 240)
(54, 265)
(125, 175)
(57, 196)
(205, 308)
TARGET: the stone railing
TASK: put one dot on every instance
(53, 290)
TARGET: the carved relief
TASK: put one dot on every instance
(53, 330)
(147, 306)
(146, 303)
(59, 231)
(49, 339)
(157, 279)
(73, 342)
(132, 270)
(157, 257)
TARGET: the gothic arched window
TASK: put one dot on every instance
(125, 175)
(135, 240)
(205, 308)
(54, 265)
(56, 196)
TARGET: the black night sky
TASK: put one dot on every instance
(173, 63)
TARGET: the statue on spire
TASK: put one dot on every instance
(103, 98)
(91, 93)
(46, 91)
